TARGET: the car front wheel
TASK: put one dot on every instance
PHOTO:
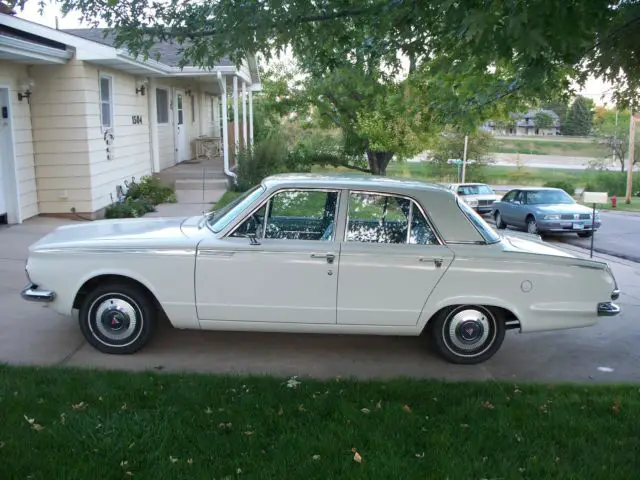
(499, 222)
(532, 226)
(118, 318)
(467, 334)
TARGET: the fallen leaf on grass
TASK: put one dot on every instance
(301, 408)
(365, 410)
(293, 382)
(172, 459)
(616, 407)
(79, 406)
(128, 473)
(131, 445)
(208, 411)
(225, 426)
(190, 461)
(124, 463)
(356, 456)
(2, 444)
(420, 455)
(29, 420)
(124, 406)
(248, 433)
(379, 405)
(37, 427)
(464, 425)
(281, 411)
(63, 418)
(488, 405)
(315, 457)
(407, 408)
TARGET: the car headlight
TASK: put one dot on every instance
(552, 217)
(472, 202)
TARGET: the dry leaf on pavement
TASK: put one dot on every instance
(357, 457)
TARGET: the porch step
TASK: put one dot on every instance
(198, 184)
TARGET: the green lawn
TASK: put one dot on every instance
(634, 206)
(550, 147)
(82, 424)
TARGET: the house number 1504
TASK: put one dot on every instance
(136, 119)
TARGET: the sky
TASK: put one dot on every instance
(593, 89)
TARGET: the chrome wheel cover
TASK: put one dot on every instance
(469, 332)
(532, 227)
(115, 320)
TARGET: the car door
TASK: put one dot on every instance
(508, 206)
(390, 260)
(280, 265)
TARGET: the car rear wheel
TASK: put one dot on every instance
(467, 334)
(499, 222)
(585, 234)
(532, 226)
(118, 318)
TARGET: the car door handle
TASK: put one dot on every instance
(329, 256)
(436, 261)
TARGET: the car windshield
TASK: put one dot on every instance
(548, 197)
(475, 190)
(225, 215)
(488, 233)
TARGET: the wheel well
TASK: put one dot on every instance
(93, 283)
(510, 320)
(530, 216)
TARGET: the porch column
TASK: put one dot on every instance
(251, 117)
(236, 127)
(225, 127)
(202, 99)
(153, 126)
(244, 113)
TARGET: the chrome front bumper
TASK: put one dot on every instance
(608, 309)
(33, 294)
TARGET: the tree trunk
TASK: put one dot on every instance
(378, 161)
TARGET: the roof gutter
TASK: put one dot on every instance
(225, 130)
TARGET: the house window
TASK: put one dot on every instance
(162, 105)
(193, 109)
(106, 101)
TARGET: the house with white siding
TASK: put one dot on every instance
(78, 116)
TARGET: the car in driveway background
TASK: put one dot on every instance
(543, 210)
(478, 196)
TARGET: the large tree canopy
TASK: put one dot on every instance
(543, 42)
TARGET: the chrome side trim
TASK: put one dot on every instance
(608, 309)
(33, 294)
(120, 250)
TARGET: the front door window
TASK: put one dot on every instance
(293, 215)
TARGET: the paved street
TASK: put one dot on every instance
(33, 334)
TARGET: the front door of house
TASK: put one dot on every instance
(182, 137)
(4, 152)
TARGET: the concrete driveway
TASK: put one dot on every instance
(33, 334)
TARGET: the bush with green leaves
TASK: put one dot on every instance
(130, 208)
(151, 189)
(565, 185)
(614, 183)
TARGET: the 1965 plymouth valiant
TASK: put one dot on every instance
(319, 254)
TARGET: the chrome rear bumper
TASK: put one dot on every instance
(33, 294)
(608, 309)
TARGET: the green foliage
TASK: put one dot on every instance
(614, 183)
(565, 185)
(612, 132)
(151, 188)
(130, 208)
(579, 120)
(543, 120)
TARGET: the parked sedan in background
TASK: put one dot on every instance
(319, 254)
(544, 210)
(478, 196)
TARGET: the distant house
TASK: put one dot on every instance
(523, 124)
(79, 116)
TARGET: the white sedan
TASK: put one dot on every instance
(319, 254)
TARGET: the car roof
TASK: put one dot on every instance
(533, 189)
(351, 181)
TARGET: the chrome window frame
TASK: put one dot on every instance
(267, 202)
(399, 195)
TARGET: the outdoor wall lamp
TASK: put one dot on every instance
(25, 89)
(141, 87)
(188, 92)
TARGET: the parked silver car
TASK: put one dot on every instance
(544, 210)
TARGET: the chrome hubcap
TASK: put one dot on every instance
(116, 319)
(468, 330)
(533, 228)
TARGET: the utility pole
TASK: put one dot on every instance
(632, 143)
(464, 157)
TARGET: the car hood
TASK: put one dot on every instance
(112, 233)
(562, 208)
(483, 196)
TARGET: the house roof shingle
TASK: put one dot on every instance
(170, 53)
